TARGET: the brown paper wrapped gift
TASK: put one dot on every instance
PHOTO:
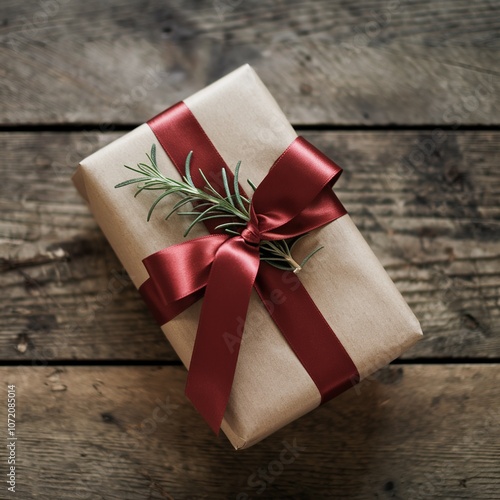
(346, 281)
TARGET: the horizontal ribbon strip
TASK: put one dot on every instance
(295, 197)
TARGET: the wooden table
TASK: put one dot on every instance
(403, 94)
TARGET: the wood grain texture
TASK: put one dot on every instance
(432, 220)
(335, 62)
(427, 201)
(128, 433)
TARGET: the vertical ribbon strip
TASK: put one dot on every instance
(294, 198)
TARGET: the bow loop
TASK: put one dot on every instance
(296, 197)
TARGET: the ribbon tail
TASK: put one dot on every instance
(309, 335)
(222, 319)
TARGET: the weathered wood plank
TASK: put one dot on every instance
(377, 62)
(412, 432)
(432, 220)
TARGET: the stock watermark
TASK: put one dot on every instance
(90, 140)
(454, 116)
(11, 438)
(367, 32)
(133, 439)
(259, 480)
(433, 483)
(258, 316)
(31, 26)
(117, 282)
(225, 7)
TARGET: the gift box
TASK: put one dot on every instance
(305, 336)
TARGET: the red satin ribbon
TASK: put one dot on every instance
(295, 197)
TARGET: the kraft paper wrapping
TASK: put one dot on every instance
(345, 279)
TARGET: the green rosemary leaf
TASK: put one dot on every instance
(210, 187)
(275, 246)
(131, 181)
(218, 216)
(180, 204)
(158, 199)
(198, 206)
(184, 202)
(252, 185)
(307, 258)
(153, 153)
(152, 158)
(284, 243)
(196, 213)
(213, 207)
(296, 241)
(166, 193)
(147, 169)
(187, 168)
(150, 186)
(237, 193)
(229, 196)
(136, 170)
(229, 224)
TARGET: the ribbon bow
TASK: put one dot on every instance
(294, 198)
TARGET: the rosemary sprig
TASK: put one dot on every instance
(208, 203)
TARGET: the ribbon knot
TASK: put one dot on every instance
(251, 235)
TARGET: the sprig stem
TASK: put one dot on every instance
(208, 203)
